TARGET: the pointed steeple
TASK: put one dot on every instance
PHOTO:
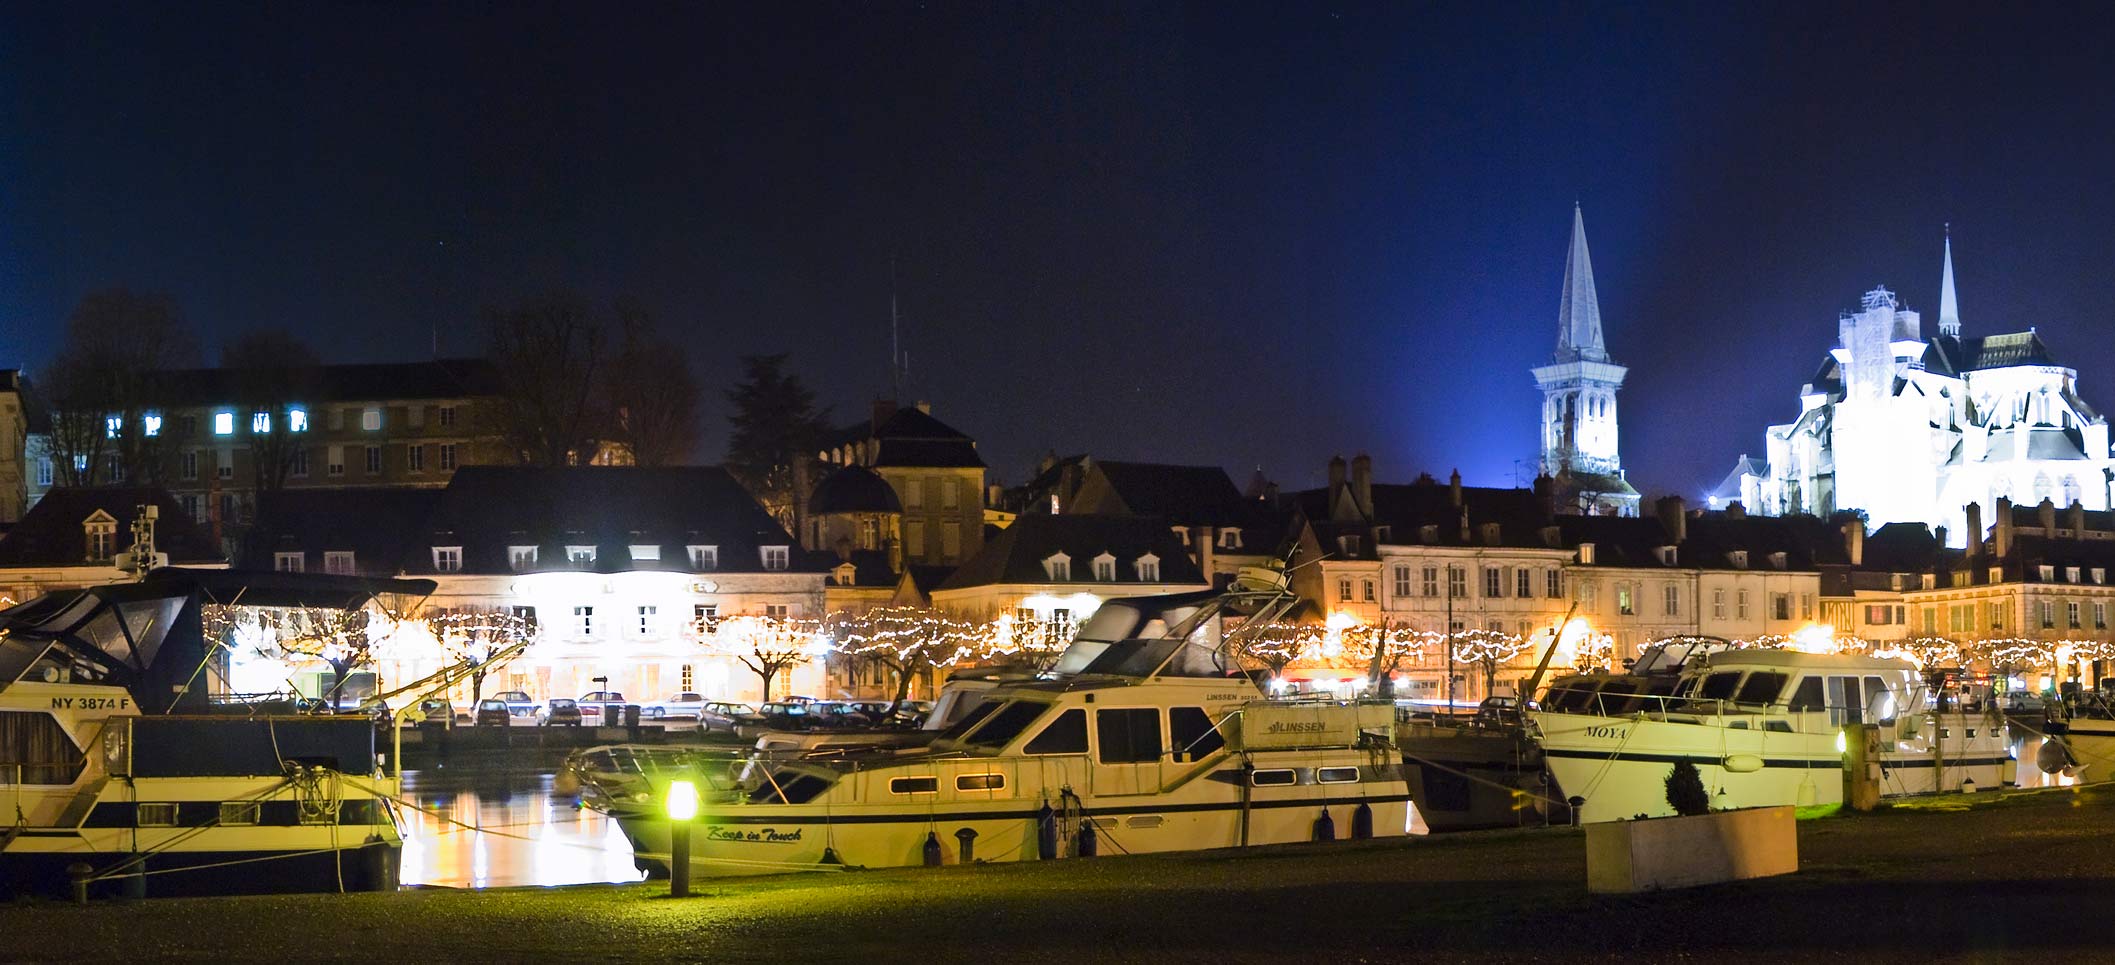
(1949, 307)
(1579, 313)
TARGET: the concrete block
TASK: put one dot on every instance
(1623, 857)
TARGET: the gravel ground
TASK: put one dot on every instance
(2026, 874)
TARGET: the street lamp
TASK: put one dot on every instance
(682, 809)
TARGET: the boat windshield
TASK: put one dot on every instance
(969, 720)
(1007, 724)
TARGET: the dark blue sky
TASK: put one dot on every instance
(1232, 234)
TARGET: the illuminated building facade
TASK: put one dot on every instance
(936, 473)
(14, 447)
(1907, 428)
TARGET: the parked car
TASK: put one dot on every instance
(786, 715)
(836, 714)
(558, 712)
(913, 713)
(600, 708)
(519, 703)
(680, 705)
(721, 715)
(433, 710)
(493, 713)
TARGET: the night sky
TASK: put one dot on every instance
(1217, 234)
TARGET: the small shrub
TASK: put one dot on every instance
(1685, 790)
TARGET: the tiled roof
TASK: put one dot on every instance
(853, 489)
(1017, 553)
(438, 379)
(380, 526)
(50, 534)
(1182, 495)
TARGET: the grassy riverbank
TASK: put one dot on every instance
(2024, 875)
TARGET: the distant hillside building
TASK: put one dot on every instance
(1912, 429)
(1579, 437)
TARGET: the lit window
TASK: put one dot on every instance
(339, 562)
(584, 619)
(260, 422)
(1058, 567)
(448, 559)
(1229, 539)
(1149, 568)
(1105, 568)
(102, 536)
(775, 557)
(646, 620)
(297, 420)
(521, 557)
(153, 425)
(704, 557)
(646, 551)
(371, 419)
(44, 470)
(112, 426)
(223, 423)
(580, 557)
(288, 562)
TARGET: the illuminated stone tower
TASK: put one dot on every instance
(1579, 399)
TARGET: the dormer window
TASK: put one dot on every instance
(580, 557)
(1668, 555)
(1348, 545)
(1183, 533)
(1586, 554)
(646, 551)
(844, 574)
(1779, 560)
(2070, 574)
(1058, 567)
(1230, 538)
(100, 528)
(1428, 534)
(704, 557)
(2100, 576)
(775, 557)
(447, 559)
(2048, 573)
(261, 423)
(1149, 568)
(1105, 568)
(521, 558)
(1738, 559)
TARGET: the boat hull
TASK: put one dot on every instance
(1462, 779)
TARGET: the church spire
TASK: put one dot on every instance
(1579, 313)
(1949, 307)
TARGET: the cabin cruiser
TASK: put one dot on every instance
(1763, 727)
(122, 776)
(2082, 732)
(1144, 737)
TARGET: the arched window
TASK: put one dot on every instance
(2043, 488)
(2072, 491)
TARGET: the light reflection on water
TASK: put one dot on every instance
(499, 830)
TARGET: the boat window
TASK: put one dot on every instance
(1846, 704)
(1007, 724)
(980, 782)
(1761, 687)
(1616, 697)
(1195, 737)
(975, 716)
(1128, 735)
(34, 749)
(1719, 686)
(1686, 687)
(1808, 696)
(914, 785)
(1777, 726)
(1065, 735)
(797, 788)
(155, 816)
(1874, 687)
(240, 812)
(1273, 777)
(1337, 775)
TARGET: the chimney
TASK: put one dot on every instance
(1975, 529)
(1465, 525)
(1938, 533)
(1336, 475)
(925, 407)
(2077, 512)
(1674, 518)
(2001, 528)
(1454, 487)
(1362, 482)
(1854, 540)
(2045, 513)
(1734, 510)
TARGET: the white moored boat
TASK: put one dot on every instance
(1763, 727)
(1144, 738)
(115, 771)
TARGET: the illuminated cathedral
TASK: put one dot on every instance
(1912, 429)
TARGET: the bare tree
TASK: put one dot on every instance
(272, 373)
(763, 644)
(650, 393)
(102, 388)
(549, 354)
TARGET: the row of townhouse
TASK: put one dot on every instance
(1442, 557)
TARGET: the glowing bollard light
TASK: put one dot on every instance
(682, 808)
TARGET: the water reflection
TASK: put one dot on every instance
(487, 830)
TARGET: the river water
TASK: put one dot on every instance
(494, 830)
